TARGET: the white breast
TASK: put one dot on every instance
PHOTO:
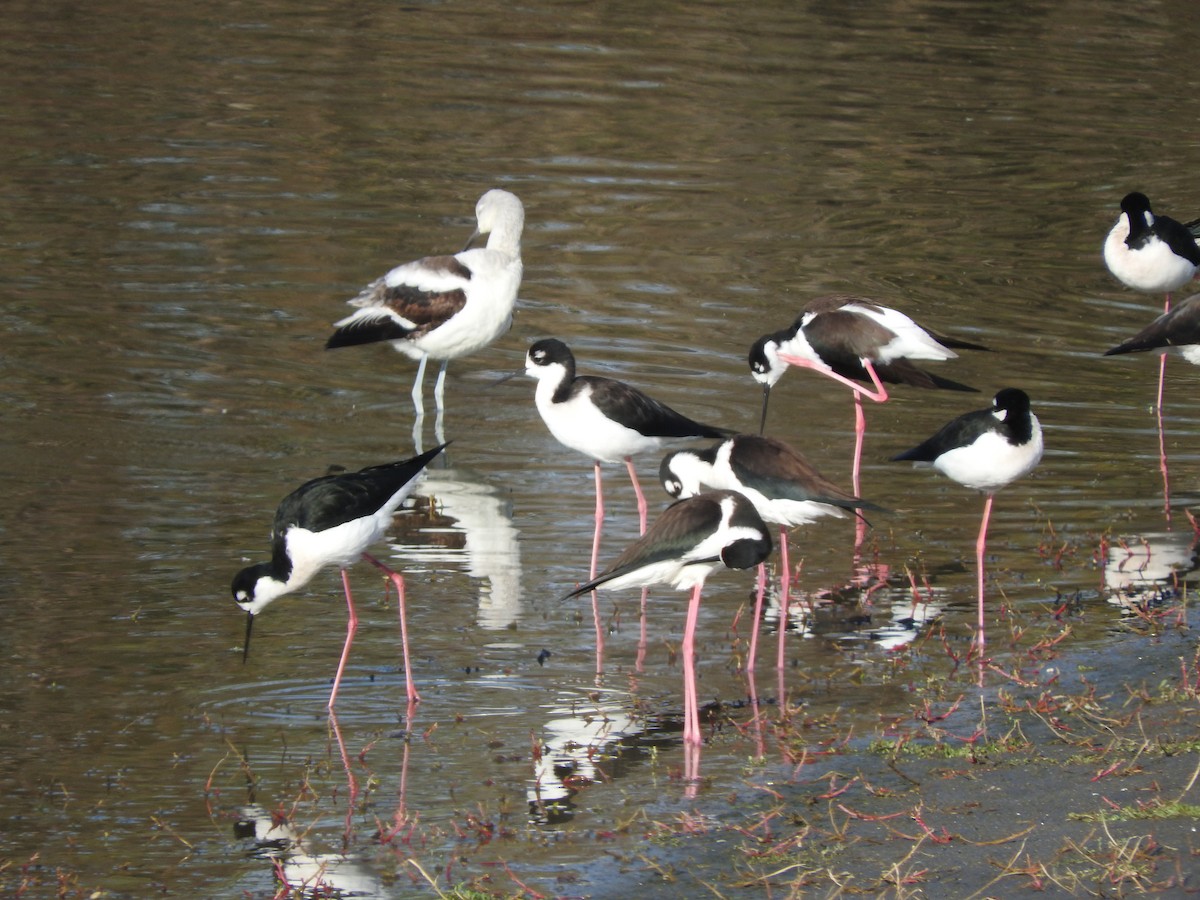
(992, 462)
(578, 424)
(1153, 268)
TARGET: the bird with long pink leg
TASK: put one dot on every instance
(605, 419)
(785, 488)
(1154, 254)
(690, 539)
(333, 520)
(985, 450)
(852, 339)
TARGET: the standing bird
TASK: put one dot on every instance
(444, 307)
(852, 339)
(332, 520)
(985, 450)
(684, 545)
(1153, 254)
(607, 420)
(785, 488)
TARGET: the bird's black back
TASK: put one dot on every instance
(633, 409)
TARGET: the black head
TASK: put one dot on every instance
(759, 364)
(670, 481)
(245, 584)
(1136, 204)
(747, 553)
(548, 352)
(1011, 400)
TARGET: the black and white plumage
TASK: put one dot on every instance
(1151, 253)
(332, 520)
(985, 450)
(785, 488)
(445, 307)
(1179, 327)
(607, 420)
(603, 418)
(783, 485)
(682, 547)
(852, 339)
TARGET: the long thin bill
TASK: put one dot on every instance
(762, 425)
(249, 625)
(471, 240)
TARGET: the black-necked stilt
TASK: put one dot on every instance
(1151, 253)
(785, 488)
(852, 339)
(332, 520)
(689, 540)
(444, 307)
(985, 450)
(605, 419)
(1179, 327)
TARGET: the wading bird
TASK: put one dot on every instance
(332, 520)
(689, 540)
(985, 450)
(785, 488)
(445, 307)
(851, 340)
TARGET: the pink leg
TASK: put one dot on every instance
(879, 395)
(752, 657)
(785, 587)
(860, 430)
(1162, 435)
(1162, 362)
(413, 696)
(592, 572)
(1162, 456)
(640, 662)
(599, 524)
(641, 498)
(760, 744)
(351, 627)
(980, 551)
(691, 706)
(352, 785)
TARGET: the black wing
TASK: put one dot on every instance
(682, 526)
(1179, 326)
(960, 432)
(632, 408)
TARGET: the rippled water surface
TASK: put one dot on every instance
(188, 199)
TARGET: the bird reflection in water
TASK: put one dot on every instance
(1147, 573)
(462, 521)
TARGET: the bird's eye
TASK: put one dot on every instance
(538, 355)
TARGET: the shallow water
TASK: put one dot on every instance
(188, 200)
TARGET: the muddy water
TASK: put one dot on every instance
(188, 200)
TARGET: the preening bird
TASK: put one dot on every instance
(785, 488)
(445, 307)
(690, 539)
(853, 339)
